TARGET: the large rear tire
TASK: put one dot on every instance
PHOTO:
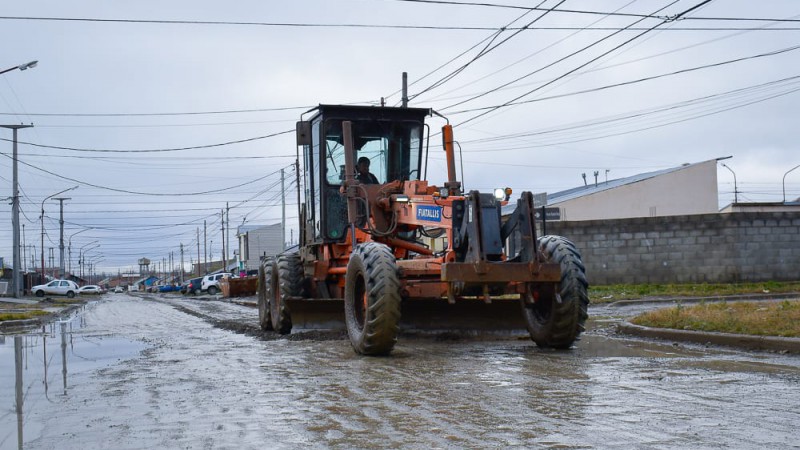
(372, 299)
(287, 281)
(556, 321)
(264, 280)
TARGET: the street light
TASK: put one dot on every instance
(69, 247)
(82, 254)
(48, 198)
(25, 66)
(93, 266)
(735, 188)
(784, 181)
(16, 276)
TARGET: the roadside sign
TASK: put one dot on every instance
(540, 200)
(551, 214)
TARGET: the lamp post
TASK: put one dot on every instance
(735, 188)
(784, 181)
(93, 266)
(25, 66)
(48, 198)
(69, 248)
(17, 275)
(82, 254)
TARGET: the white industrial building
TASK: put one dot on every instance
(684, 190)
(256, 241)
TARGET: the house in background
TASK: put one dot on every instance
(684, 190)
(256, 241)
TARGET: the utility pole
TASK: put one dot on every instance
(405, 90)
(198, 251)
(42, 217)
(24, 261)
(17, 275)
(222, 214)
(205, 249)
(61, 271)
(283, 213)
(181, 262)
(229, 248)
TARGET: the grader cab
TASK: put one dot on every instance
(400, 253)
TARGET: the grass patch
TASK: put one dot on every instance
(67, 301)
(615, 292)
(753, 318)
(22, 315)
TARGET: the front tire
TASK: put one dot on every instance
(556, 321)
(287, 281)
(70, 294)
(264, 280)
(372, 299)
(40, 293)
(212, 290)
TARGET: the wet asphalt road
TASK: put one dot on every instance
(182, 373)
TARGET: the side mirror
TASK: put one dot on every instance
(304, 133)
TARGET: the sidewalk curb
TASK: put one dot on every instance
(772, 343)
(720, 298)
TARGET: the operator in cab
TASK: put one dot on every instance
(364, 175)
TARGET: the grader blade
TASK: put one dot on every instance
(470, 316)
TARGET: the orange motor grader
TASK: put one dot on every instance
(404, 254)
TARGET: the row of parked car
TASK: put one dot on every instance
(65, 287)
(194, 286)
(208, 283)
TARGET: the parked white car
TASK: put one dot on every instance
(210, 283)
(90, 289)
(56, 287)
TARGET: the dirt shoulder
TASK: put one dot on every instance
(39, 311)
(745, 341)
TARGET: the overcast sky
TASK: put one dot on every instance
(128, 76)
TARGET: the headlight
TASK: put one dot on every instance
(444, 192)
(500, 194)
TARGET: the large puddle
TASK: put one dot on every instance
(132, 373)
(36, 367)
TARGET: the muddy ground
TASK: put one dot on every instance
(168, 372)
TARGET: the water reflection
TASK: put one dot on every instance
(33, 364)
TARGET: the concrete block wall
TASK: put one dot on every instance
(706, 248)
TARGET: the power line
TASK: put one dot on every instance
(178, 149)
(373, 26)
(485, 51)
(642, 113)
(559, 60)
(534, 8)
(615, 48)
(636, 81)
(660, 125)
(565, 38)
(160, 114)
(158, 194)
